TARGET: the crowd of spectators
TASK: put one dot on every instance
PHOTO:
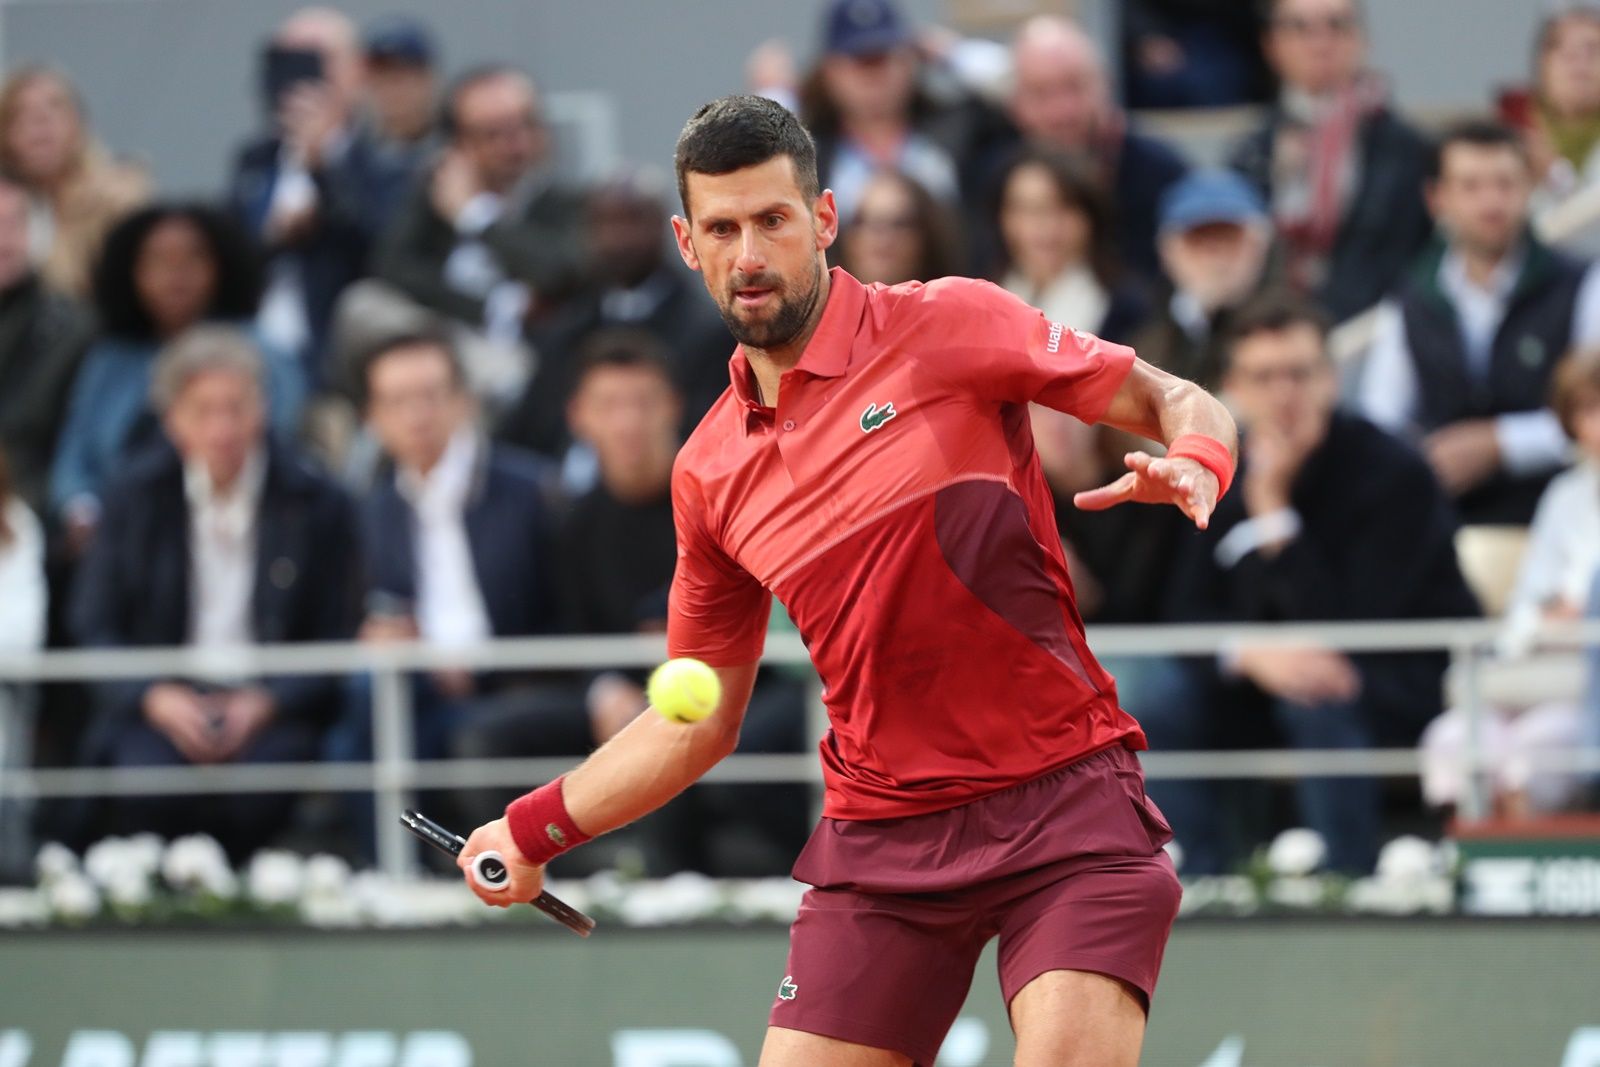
(400, 381)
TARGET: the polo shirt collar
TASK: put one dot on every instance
(827, 354)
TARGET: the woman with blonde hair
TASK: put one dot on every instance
(79, 190)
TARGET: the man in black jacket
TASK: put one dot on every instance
(1464, 352)
(1329, 519)
(43, 336)
(219, 540)
(631, 285)
(1341, 171)
(487, 235)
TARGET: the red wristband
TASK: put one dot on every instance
(1210, 453)
(540, 825)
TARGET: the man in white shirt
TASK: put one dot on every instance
(219, 540)
(1464, 350)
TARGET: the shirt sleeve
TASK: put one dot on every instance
(992, 342)
(1387, 391)
(716, 611)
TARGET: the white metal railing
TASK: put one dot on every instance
(394, 772)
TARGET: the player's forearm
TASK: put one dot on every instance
(652, 760)
(1163, 407)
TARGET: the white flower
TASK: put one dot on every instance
(197, 862)
(144, 852)
(681, 898)
(53, 861)
(330, 910)
(326, 874)
(1296, 892)
(1296, 852)
(73, 897)
(1408, 859)
(107, 860)
(1175, 853)
(275, 877)
(23, 907)
(129, 888)
(766, 898)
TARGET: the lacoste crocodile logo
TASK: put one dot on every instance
(786, 988)
(874, 416)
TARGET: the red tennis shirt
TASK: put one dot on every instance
(894, 504)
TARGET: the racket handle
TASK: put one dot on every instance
(489, 870)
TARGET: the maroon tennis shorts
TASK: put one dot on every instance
(1066, 869)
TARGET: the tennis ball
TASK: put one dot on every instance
(684, 690)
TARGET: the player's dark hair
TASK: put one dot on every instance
(430, 336)
(736, 132)
(623, 348)
(1274, 311)
(239, 272)
(1478, 133)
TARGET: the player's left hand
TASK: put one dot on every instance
(527, 879)
(1181, 482)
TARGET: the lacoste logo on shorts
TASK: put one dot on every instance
(874, 416)
(786, 988)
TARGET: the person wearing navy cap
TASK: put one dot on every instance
(1214, 238)
(402, 79)
(866, 110)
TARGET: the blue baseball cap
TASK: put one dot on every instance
(1207, 196)
(864, 27)
(399, 39)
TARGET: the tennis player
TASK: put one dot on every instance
(872, 467)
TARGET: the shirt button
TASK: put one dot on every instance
(788, 424)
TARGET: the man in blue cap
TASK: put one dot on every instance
(402, 96)
(1214, 241)
(869, 113)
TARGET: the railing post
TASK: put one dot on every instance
(1475, 801)
(392, 752)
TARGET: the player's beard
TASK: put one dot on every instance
(794, 309)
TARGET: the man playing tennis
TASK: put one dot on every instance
(872, 467)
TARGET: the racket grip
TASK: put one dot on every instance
(489, 870)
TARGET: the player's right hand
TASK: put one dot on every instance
(527, 879)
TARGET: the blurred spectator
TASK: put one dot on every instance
(314, 189)
(23, 603)
(1561, 118)
(1057, 250)
(1061, 100)
(617, 551)
(1558, 569)
(79, 190)
(1463, 354)
(1342, 172)
(899, 233)
(224, 539)
(633, 282)
(402, 86)
(1215, 243)
(457, 541)
(22, 588)
(165, 268)
(42, 339)
(488, 235)
(1192, 53)
(864, 107)
(1330, 519)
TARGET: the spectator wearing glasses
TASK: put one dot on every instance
(1342, 173)
(1330, 519)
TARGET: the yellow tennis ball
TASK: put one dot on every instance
(684, 690)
